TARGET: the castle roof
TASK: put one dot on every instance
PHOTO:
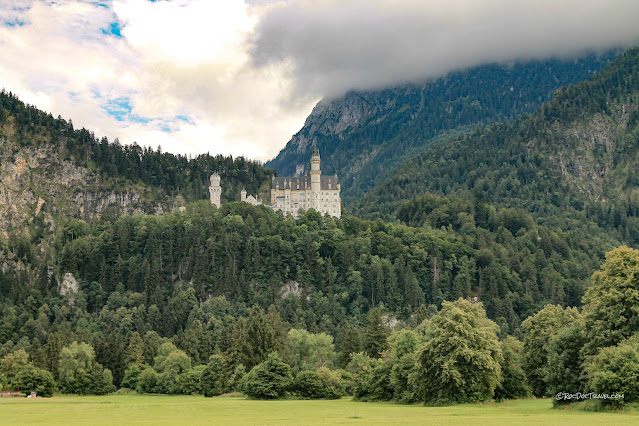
(294, 182)
(303, 182)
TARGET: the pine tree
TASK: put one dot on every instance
(134, 354)
(376, 334)
(213, 379)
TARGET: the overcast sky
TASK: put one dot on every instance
(239, 77)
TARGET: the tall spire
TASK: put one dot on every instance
(316, 174)
(315, 159)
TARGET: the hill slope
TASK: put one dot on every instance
(47, 164)
(364, 136)
(575, 157)
(51, 172)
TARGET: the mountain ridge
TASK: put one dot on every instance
(575, 155)
(364, 136)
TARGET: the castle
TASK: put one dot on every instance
(290, 194)
(312, 191)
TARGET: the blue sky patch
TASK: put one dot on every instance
(134, 118)
(14, 23)
(114, 29)
(184, 118)
(14, 16)
(120, 109)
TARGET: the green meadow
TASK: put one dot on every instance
(159, 409)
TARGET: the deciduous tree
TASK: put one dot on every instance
(461, 361)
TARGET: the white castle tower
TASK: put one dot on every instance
(312, 191)
(215, 190)
(316, 175)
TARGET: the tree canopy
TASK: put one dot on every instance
(461, 362)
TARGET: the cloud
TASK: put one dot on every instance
(332, 46)
(59, 59)
(240, 76)
(12, 11)
(171, 73)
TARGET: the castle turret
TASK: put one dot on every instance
(316, 175)
(243, 195)
(215, 190)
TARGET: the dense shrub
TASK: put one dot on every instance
(616, 370)
(346, 380)
(269, 379)
(334, 384)
(401, 370)
(131, 376)
(514, 384)
(34, 380)
(374, 383)
(148, 381)
(81, 374)
(308, 351)
(236, 381)
(308, 384)
(189, 382)
(171, 373)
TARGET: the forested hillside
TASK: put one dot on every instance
(571, 164)
(364, 136)
(162, 273)
(45, 149)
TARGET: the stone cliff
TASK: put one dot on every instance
(36, 181)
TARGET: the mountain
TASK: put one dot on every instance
(319, 272)
(572, 163)
(365, 136)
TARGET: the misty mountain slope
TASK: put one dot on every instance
(364, 136)
(576, 156)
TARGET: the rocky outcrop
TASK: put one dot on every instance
(332, 118)
(596, 176)
(291, 287)
(69, 287)
(35, 181)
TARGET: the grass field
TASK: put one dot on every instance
(158, 409)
